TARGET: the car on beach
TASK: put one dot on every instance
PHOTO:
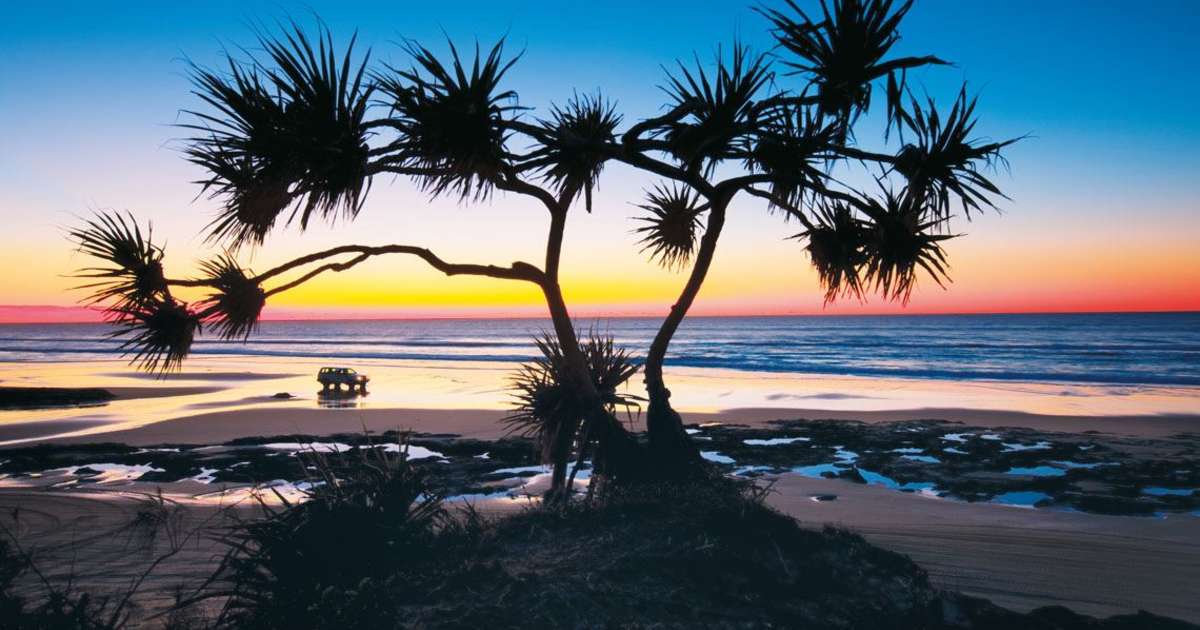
(334, 377)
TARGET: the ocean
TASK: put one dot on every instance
(1160, 349)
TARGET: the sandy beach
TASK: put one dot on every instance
(1020, 558)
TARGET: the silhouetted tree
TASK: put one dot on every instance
(298, 135)
(787, 143)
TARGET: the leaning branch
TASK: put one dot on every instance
(516, 271)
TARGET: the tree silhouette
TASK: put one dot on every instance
(297, 135)
(787, 143)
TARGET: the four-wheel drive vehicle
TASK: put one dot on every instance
(335, 377)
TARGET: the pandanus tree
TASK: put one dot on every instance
(297, 136)
(782, 145)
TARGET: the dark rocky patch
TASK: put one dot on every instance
(1099, 473)
(47, 397)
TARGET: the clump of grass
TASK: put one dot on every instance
(362, 543)
(373, 546)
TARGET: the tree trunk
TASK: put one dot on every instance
(674, 454)
(617, 454)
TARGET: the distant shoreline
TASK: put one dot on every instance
(94, 318)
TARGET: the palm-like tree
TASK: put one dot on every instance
(787, 141)
(297, 136)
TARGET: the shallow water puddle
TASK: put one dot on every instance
(843, 456)
(518, 470)
(1037, 471)
(207, 475)
(924, 459)
(746, 470)
(818, 471)
(1024, 499)
(108, 473)
(927, 488)
(1070, 465)
(1159, 491)
(296, 447)
(1016, 447)
(714, 456)
(774, 441)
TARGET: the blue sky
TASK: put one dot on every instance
(1107, 91)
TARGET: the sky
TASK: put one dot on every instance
(1105, 199)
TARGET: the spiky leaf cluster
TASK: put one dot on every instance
(858, 243)
(942, 160)
(671, 224)
(794, 146)
(573, 154)
(449, 120)
(549, 406)
(902, 239)
(235, 306)
(132, 273)
(157, 334)
(132, 292)
(721, 107)
(288, 131)
(842, 53)
(836, 245)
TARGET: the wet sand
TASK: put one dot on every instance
(228, 392)
(484, 424)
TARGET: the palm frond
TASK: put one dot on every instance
(673, 219)
(899, 243)
(574, 155)
(133, 271)
(842, 53)
(288, 131)
(942, 161)
(157, 334)
(721, 106)
(836, 245)
(450, 120)
(235, 307)
(792, 147)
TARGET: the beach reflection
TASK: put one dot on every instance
(212, 384)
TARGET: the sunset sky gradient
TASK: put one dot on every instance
(1105, 210)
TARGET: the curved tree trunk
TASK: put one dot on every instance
(675, 455)
(617, 454)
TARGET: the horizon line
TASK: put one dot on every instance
(96, 319)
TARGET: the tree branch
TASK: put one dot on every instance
(516, 271)
(337, 267)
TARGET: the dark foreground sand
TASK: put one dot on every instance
(1019, 558)
(484, 424)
